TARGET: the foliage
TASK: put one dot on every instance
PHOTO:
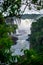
(30, 58)
(36, 38)
(5, 40)
(34, 1)
(12, 7)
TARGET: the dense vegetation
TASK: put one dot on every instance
(36, 38)
(12, 7)
(5, 40)
(30, 58)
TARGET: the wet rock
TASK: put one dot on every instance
(14, 39)
(28, 37)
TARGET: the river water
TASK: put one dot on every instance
(22, 35)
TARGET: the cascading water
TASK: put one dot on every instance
(22, 35)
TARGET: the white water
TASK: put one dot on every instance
(22, 34)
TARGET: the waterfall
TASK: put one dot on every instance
(22, 35)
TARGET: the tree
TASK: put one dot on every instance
(36, 5)
(5, 40)
(36, 38)
(13, 7)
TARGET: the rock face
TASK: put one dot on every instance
(14, 39)
(9, 20)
